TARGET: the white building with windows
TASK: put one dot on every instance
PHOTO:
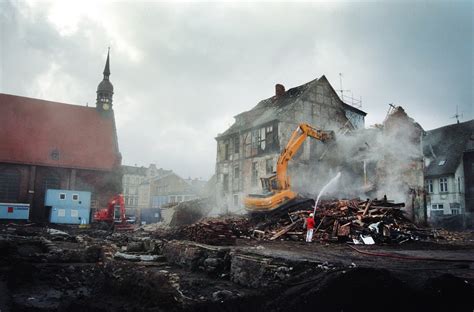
(132, 180)
(449, 170)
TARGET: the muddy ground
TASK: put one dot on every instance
(84, 270)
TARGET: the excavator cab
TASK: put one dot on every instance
(117, 213)
(269, 184)
(271, 198)
(114, 215)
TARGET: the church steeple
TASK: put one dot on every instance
(105, 90)
(107, 66)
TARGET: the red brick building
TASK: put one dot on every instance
(50, 145)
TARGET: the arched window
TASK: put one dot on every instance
(9, 185)
(51, 181)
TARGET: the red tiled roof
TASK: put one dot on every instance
(39, 132)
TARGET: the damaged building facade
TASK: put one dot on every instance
(249, 149)
(399, 163)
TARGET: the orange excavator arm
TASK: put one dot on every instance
(277, 193)
(297, 138)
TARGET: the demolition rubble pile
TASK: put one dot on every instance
(216, 231)
(359, 221)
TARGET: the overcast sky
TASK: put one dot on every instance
(181, 71)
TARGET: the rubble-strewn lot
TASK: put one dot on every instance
(237, 264)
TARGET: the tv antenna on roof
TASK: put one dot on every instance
(457, 115)
(341, 90)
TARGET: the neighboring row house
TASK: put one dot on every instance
(449, 173)
(249, 149)
(133, 177)
(171, 188)
(145, 186)
(50, 145)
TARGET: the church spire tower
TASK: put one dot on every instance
(105, 90)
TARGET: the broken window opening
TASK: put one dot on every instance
(236, 144)
(254, 174)
(269, 135)
(261, 140)
(236, 172)
(225, 182)
(247, 144)
(269, 166)
(226, 150)
(255, 142)
(236, 200)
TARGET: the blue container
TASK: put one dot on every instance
(68, 207)
(14, 211)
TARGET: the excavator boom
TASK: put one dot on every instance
(276, 188)
(294, 144)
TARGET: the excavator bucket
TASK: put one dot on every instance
(299, 203)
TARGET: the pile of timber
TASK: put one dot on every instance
(343, 220)
(216, 231)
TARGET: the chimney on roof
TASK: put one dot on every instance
(279, 90)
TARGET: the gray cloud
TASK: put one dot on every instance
(181, 71)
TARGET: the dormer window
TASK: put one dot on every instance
(442, 162)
